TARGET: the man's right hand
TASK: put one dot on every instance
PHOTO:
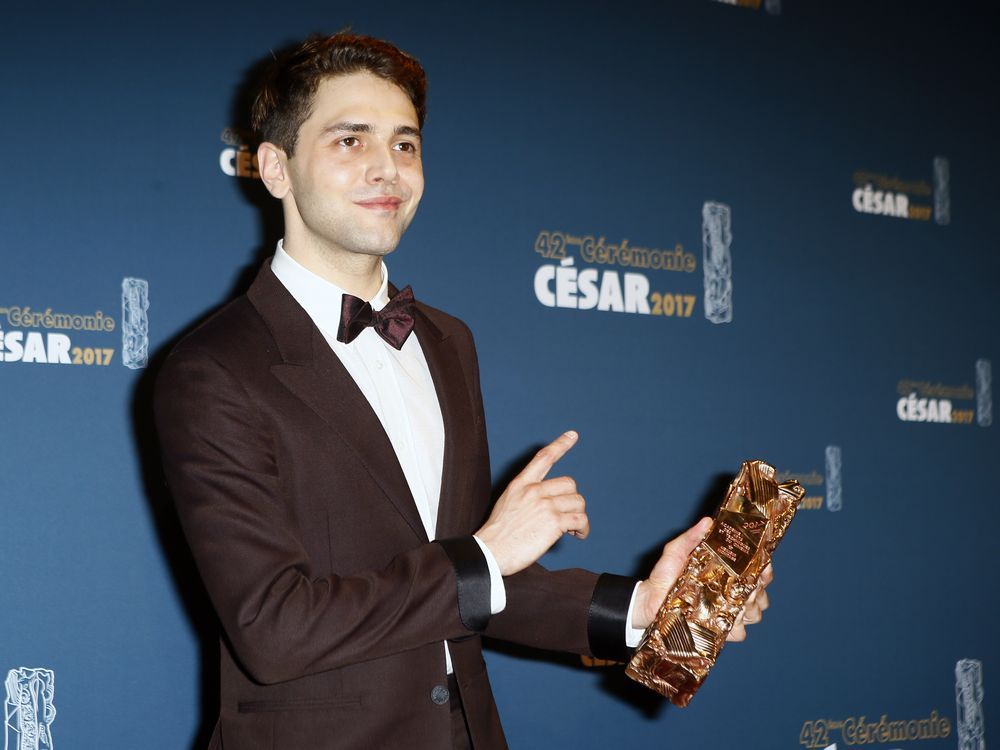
(534, 512)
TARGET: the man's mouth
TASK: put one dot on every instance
(381, 203)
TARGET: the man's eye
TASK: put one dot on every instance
(350, 141)
(406, 146)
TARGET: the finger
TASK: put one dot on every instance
(767, 575)
(680, 547)
(686, 542)
(557, 486)
(677, 551)
(545, 459)
(763, 600)
(751, 615)
(738, 631)
(569, 503)
(700, 530)
(576, 524)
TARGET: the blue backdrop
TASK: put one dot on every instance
(697, 232)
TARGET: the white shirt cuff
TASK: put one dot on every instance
(498, 592)
(632, 635)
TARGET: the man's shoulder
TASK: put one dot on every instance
(230, 332)
(224, 354)
(446, 323)
(234, 343)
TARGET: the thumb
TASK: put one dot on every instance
(677, 551)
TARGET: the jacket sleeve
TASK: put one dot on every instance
(282, 619)
(566, 610)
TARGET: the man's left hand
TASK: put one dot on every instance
(668, 568)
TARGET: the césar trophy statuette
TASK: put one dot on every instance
(684, 640)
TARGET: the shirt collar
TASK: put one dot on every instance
(320, 298)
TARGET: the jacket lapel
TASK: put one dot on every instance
(314, 374)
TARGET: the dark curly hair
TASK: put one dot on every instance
(286, 94)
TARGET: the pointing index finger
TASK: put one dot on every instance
(546, 458)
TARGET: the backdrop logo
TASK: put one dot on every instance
(239, 157)
(814, 482)
(28, 709)
(923, 401)
(858, 730)
(716, 238)
(969, 701)
(604, 284)
(626, 278)
(52, 336)
(884, 195)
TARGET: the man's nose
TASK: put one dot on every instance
(382, 166)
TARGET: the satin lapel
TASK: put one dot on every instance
(314, 374)
(450, 383)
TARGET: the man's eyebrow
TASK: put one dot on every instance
(348, 127)
(364, 127)
(407, 130)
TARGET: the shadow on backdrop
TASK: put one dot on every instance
(184, 574)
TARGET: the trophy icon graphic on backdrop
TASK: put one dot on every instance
(942, 191)
(28, 709)
(984, 393)
(135, 323)
(834, 479)
(969, 701)
(717, 264)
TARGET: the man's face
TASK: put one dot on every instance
(356, 177)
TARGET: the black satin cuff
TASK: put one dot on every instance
(606, 618)
(472, 575)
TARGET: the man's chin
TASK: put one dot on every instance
(377, 249)
(377, 242)
(380, 243)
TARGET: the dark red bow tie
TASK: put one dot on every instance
(394, 322)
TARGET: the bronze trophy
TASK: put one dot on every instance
(684, 640)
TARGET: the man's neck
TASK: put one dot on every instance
(355, 273)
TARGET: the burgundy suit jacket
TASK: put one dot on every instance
(333, 603)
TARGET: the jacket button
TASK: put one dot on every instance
(440, 695)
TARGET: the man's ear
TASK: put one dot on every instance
(273, 166)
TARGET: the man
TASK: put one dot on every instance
(325, 443)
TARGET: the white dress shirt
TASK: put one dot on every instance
(399, 388)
